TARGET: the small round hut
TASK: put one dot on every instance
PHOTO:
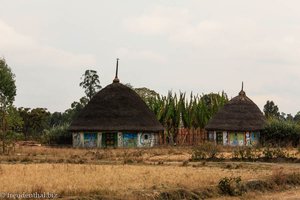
(116, 117)
(238, 123)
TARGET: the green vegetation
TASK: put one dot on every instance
(57, 135)
(281, 132)
(90, 83)
(175, 111)
(7, 96)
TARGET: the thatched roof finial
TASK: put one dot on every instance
(116, 80)
(242, 92)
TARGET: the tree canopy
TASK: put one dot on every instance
(8, 87)
(90, 83)
(271, 110)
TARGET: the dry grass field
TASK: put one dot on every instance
(121, 173)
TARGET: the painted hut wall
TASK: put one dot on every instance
(126, 139)
(212, 135)
(254, 138)
(146, 140)
(99, 141)
(90, 139)
(120, 139)
(130, 139)
(77, 140)
(237, 139)
(247, 139)
(225, 138)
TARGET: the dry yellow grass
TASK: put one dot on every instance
(72, 179)
(98, 156)
(101, 171)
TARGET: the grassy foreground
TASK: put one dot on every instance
(122, 173)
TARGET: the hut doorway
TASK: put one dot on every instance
(109, 139)
(220, 138)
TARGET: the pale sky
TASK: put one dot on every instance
(192, 45)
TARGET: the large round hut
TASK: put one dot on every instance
(116, 117)
(238, 123)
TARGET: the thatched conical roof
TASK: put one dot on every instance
(239, 114)
(116, 108)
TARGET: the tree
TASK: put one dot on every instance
(146, 94)
(35, 121)
(56, 119)
(90, 83)
(297, 117)
(72, 112)
(14, 119)
(7, 84)
(271, 110)
(289, 117)
(7, 96)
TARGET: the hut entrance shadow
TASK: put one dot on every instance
(109, 139)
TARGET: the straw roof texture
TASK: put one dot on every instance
(116, 108)
(239, 114)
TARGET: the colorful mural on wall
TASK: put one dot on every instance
(77, 140)
(130, 139)
(248, 139)
(255, 138)
(236, 139)
(90, 140)
(145, 140)
(127, 139)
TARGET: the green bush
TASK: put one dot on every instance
(204, 151)
(57, 135)
(282, 133)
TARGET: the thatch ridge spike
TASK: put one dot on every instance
(116, 80)
(242, 92)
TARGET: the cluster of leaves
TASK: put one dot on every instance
(176, 111)
(281, 132)
(7, 95)
(57, 135)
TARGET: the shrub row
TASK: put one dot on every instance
(210, 151)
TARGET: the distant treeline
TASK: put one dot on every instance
(174, 111)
